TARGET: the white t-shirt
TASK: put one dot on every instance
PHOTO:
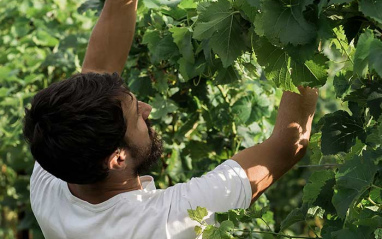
(146, 213)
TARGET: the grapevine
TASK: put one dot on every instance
(214, 72)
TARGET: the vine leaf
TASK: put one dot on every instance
(315, 148)
(368, 55)
(218, 23)
(375, 138)
(190, 70)
(371, 218)
(242, 109)
(198, 214)
(312, 72)
(374, 102)
(198, 230)
(297, 215)
(254, 3)
(375, 59)
(187, 4)
(247, 10)
(341, 84)
(222, 232)
(353, 233)
(370, 96)
(353, 178)
(371, 8)
(161, 107)
(361, 56)
(284, 22)
(339, 132)
(226, 75)
(182, 38)
(286, 72)
(316, 182)
(161, 47)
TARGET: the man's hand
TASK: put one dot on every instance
(111, 38)
(266, 162)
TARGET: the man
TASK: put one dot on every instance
(91, 138)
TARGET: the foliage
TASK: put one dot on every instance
(214, 72)
(290, 43)
(39, 43)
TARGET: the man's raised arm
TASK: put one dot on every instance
(111, 38)
(266, 162)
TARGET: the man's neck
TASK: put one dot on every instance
(102, 191)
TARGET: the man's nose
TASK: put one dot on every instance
(145, 109)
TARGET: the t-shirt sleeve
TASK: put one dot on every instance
(224, 188)
(39, 182)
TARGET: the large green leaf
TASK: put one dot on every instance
(371, 8)
(341, 84)
(247, 10)
(161, 47)
(187, 4)
(162, 106)
(242, 108)
(284, 22)
(339, 132)
(375, 138)
(353, 178)
(361, 56)
(369, 96)
(368, 55)
(226, 75)
(353, 233)
(316, 182)
(182, 38)
(218, 23)
(375, 59)
(297, 215)
(374, 101)
(369, 217)
(254, 3)
(286, 72)
(190, 70)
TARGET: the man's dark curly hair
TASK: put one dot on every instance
(75, 124)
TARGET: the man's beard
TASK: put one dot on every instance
(145, 157)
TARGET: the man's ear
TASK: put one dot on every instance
(117, 160)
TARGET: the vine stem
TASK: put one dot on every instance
(372, 202)
(312, 229)
(317, 165)
(343, 48)
(278, 234)
(223, 94)
(375, 186)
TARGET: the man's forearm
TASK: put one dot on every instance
(266, 162)
(111, 38)
(294, 121)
